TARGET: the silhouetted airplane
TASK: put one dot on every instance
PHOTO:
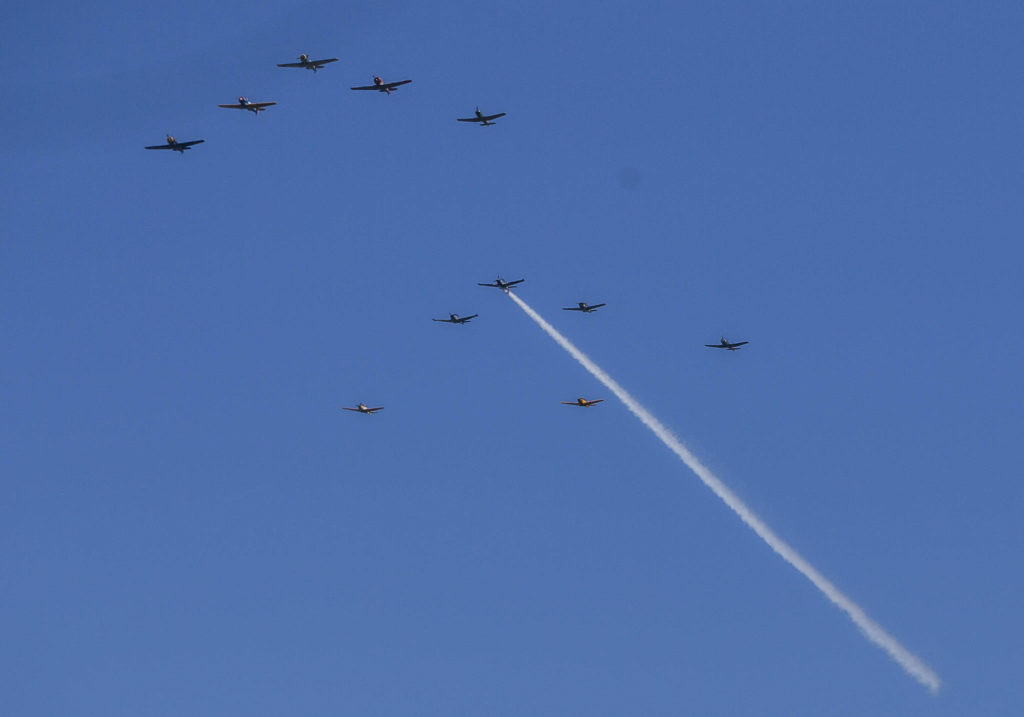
(307, 63)
(584, 307)
(246, 104)
(726, 345)
(362, 408)
(484, 120)
(382, 86)
(582, 402)
(177, 146)
(500, 283)
(456, 319)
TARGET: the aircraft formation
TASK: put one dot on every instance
(304, 62)
(581, 306)
(478, 118)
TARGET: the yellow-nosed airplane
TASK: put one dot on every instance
(582, 402)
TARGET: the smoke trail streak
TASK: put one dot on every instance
(871, 629)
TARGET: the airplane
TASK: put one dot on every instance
(582, 402)
(309, 64)
(363, 408)
(500, 283)
(484, 120)
(246, 104)
(584, 307)
(726, 345)
(177, 146)
(456, 319)
(382, 86)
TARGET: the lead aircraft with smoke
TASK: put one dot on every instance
(500, 283)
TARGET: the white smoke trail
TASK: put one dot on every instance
(871, 629)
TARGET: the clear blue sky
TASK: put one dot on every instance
(191, 525)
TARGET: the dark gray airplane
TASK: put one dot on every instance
(584, 307)
(309, 64)
(382, 86)
(456, 319)
(484, 120)
(728, 346)
(175, 145)
(245, 103)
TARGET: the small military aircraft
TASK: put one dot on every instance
(247, 104)
(584, 307)
(456, 319)
(500, 283)
(363, 408)
(582, 402)
(176, 145)
(726, 345)
(484, 120)
(382, 86)
(309, 64)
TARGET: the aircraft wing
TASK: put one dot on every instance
(189, 144)
(596, 400)
(447, 321)
(374, 410)
(482, 284)
(596, 306)
(346, 408)
(308, 63)
(716, 346)
(467, 318)
(488, 118)
(570, 403)
(513, 283)
(572, 308)
(161, 146)
(470, 119)
(366, 87)
(392, 85)
(740, 343)
(251, 105)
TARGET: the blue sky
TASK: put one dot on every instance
(191, 524)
